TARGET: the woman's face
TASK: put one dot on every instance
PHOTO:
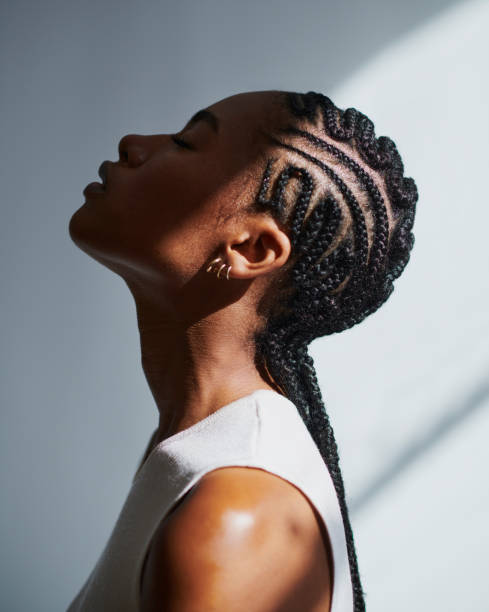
(161, 214)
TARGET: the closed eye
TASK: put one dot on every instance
(181, 143)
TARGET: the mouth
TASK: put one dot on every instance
(98, 188)
(93, 188)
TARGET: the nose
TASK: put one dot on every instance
(133, 149)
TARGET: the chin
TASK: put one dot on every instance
(79, 228)
(88, 235)
(99, 240)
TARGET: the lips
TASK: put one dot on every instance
(98, 188)
(93, 189)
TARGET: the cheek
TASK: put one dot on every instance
(170, 214)
(187, 246)
(165, 191)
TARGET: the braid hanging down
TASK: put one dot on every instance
(349, 212)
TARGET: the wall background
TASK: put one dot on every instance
(76, 411)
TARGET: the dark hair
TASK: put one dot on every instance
(334, 278)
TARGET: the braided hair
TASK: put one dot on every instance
(330, 191)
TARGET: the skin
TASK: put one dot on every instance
(166, 213)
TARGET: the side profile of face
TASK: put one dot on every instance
(161, 213)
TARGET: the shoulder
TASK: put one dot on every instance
(240, 535)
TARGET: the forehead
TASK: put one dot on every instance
(250, 111)
(245, 119)
(250, 105)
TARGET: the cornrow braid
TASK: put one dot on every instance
(332, 281)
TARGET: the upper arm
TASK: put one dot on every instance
(242, 539)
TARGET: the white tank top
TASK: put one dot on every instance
(262, 430)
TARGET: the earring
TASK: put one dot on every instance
(221, 267)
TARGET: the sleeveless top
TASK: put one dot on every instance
(262, 430)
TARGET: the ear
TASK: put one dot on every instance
(258, 249)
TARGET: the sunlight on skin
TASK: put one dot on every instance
(239, 522)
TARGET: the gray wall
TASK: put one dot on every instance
(76, 411)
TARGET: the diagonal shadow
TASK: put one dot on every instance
(373, 26)
(472, 402)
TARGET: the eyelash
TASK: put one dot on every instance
(181, 143)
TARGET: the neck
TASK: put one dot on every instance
(194, 368)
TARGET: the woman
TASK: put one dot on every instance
(270, 219)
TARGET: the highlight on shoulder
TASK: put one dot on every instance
(241, 539)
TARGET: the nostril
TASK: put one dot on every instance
(132, 150)
(123, 148)
(123, 155)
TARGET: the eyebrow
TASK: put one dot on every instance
(205, 115)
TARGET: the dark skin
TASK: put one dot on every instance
(242, 538)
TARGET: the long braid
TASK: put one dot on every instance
(331, 281)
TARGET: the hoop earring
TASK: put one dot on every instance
(215, 262)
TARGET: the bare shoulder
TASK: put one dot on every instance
(241, 539)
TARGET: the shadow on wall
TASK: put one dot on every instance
(357, 30)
